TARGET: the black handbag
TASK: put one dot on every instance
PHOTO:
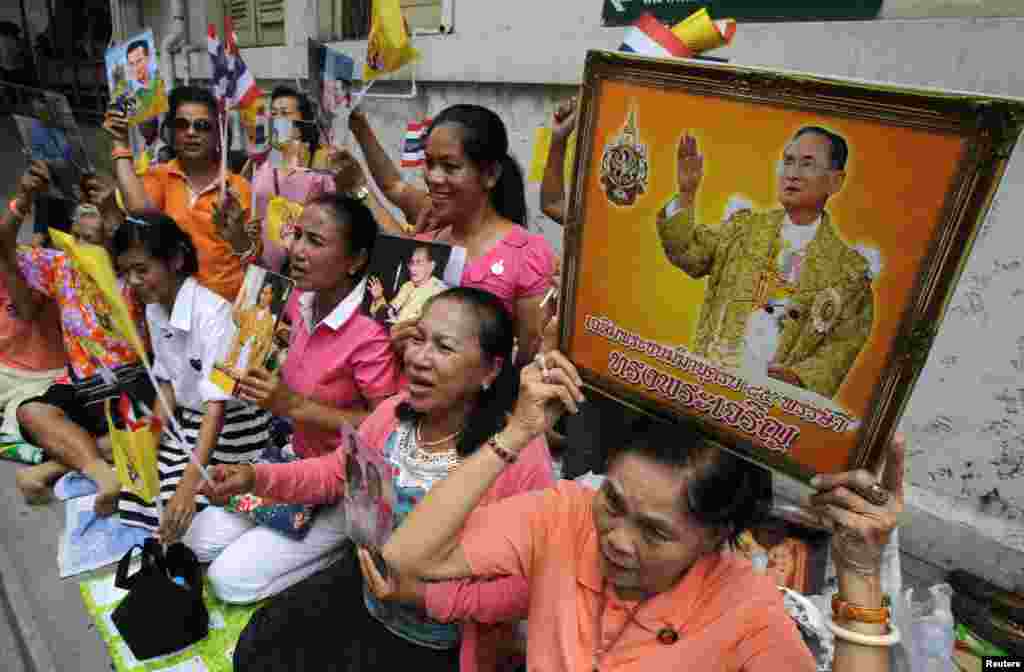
(164, 610)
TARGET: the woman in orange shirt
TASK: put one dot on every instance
(632, 577)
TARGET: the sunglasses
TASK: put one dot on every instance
(181, 124)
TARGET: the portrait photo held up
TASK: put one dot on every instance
(369, 492)
(257, 315)
(404, 273)
(775, 273)
(49, 133)
(133, 77)
(331, 74)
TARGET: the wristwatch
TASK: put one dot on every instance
(361, 193)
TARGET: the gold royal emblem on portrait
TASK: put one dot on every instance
(624, 167)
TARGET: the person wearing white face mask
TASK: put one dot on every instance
(293, 117)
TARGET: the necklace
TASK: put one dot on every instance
(600, 651)
(433, 444)
(409, 449)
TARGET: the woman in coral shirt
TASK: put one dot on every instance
(633, 578)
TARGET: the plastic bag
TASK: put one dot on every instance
(928, 629)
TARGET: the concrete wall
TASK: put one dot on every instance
(519, 58)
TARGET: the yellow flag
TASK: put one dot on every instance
(700, 33)
(542, 148)
(135, 452)
(142, 163)
(94, 261)
(282, 214)
(388, 48)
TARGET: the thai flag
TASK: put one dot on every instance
(245, 92)
(233, 84)
(649, 37)
(414, 145)
(219, 64)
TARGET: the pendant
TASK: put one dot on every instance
(498, 267)
(668, 636)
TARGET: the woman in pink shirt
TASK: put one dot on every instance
(476, 200)
(461, 385)
(633, 578)
(340, 366)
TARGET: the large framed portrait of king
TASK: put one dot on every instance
(770, 252)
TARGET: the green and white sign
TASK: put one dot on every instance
(625, 12)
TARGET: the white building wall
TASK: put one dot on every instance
(520, 57)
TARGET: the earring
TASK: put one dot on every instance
(485, 387)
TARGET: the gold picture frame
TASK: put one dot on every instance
(795, 346)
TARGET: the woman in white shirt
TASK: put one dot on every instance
(190, 327)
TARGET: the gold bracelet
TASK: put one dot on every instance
(848, 611)
(501, 451)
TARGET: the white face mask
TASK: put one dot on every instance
(282, 130)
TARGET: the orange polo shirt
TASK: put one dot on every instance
(727, 617)
(171, 192)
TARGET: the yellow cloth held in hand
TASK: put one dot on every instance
(388, 47)
(94, 261)
(135, 451)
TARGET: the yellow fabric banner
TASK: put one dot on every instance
(135, 452)
(388, 48)
(94, 261)
(282, 215)
(542, 148)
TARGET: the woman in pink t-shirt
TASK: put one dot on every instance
(476, 200)
(340, 366)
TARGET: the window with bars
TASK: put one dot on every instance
(258, 23)
(350, 19)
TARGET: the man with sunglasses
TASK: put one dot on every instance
(189, 188)
(792, 255)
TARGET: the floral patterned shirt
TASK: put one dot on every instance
(90, 338)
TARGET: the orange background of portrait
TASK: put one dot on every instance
(895, 189)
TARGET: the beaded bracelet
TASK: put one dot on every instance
(501, 451)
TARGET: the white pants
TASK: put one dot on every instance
(250, 562)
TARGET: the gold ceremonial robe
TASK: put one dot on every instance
(831, 306)
(408, 303)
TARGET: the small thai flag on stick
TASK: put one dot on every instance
(414, 145)
(649, 37)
